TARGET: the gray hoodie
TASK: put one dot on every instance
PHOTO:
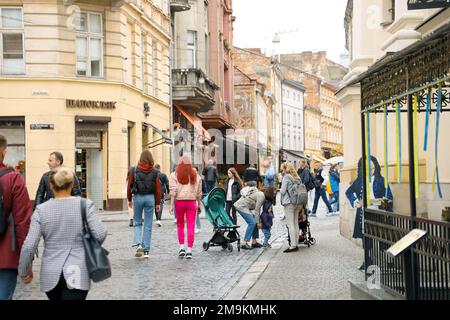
(287, 183)
(251, 199)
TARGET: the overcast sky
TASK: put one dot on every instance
(319, 25)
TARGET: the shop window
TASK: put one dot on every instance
(11, 41)
(90, 44)
(14, 131)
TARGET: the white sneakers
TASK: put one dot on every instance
(198, 230)
(139, 251)
(158, 222)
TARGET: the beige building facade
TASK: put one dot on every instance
(374, 28)
(331, 122)
(89, 79)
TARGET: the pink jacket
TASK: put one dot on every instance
(185, 191)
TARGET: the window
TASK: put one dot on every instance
(89, 44)
(155, 68)
(11, 41)
(191, 50)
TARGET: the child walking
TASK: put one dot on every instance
(267, 214)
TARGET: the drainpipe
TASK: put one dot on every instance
(171, 55)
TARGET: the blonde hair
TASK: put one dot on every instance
(290, 169)
(61, 179)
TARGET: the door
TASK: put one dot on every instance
(94, 177)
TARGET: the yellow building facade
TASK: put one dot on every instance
(89, 79)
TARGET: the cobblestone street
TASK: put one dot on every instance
(210, 275)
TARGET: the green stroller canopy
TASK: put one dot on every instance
(215, 209)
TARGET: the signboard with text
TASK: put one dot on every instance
(406, 242)
(88, 140)
(427, 4)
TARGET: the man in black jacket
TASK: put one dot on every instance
(164, 190)
(210, 175)
(44, 193)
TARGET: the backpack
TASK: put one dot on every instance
(298, 195)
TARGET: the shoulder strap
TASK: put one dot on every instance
(6, 171)
(83, 216)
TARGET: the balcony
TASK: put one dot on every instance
(222, 116)
(179, 5)
(193, 90)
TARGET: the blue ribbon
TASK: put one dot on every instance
(438, 120)
(427, 120)
(399, 133)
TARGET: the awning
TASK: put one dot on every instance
(164, 140)
(294, 154)
(196, 122)
(317, 158)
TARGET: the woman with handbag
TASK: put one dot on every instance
(64, 271)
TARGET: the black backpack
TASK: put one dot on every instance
(4, 216)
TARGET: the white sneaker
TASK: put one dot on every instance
(175, 221)
(198, 230)
(159, 223)
(139, 251)
(336, 213)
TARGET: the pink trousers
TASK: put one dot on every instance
(188, 209)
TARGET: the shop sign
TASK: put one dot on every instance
(427, 4)
(88, 140)
(42, 126)
(90, 104)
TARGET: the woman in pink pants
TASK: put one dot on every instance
(185, 194)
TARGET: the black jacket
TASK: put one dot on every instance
(210, 173)
(251, 174)
(164, 183)
(44, 193)
(235, 190)
(307, 178)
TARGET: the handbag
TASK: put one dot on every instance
(97, 262)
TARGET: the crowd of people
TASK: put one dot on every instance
(56, 214)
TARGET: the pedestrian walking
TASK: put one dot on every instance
(249, 207)
(269, 176)
(44, 192)
(252, 174)
(291, 210)
(267, 214)
(143, 192)
(198, 224)
(335, 179)
(185, 192)
(164, 191)
(15, 217)
(233, 186)
(308, 180)
(64, 275)
(211, 176)
(321, 178)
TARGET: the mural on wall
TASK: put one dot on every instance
(244, 105)
(380, 197)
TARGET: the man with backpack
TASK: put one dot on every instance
(15, 217)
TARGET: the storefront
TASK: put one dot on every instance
(101, 130)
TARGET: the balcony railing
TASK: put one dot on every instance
(193, 89)
(179, 5)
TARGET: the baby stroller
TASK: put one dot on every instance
(225, 232)
(305, 232)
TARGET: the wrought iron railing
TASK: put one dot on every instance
(424, 270)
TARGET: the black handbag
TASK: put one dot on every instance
(97, 262)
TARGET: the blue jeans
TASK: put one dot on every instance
(8, 282)
(252, 231)
(269, 182)
(144, 203)
(321, 193)
(267, 235)
(335, 202)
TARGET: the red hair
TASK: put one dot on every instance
(185, 172)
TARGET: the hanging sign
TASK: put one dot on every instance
(427, 4)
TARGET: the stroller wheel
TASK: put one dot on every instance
(230, 247)
(312, 241)
(205, 246)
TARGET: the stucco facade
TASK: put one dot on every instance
(99, 108)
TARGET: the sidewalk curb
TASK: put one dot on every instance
(241, 288)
